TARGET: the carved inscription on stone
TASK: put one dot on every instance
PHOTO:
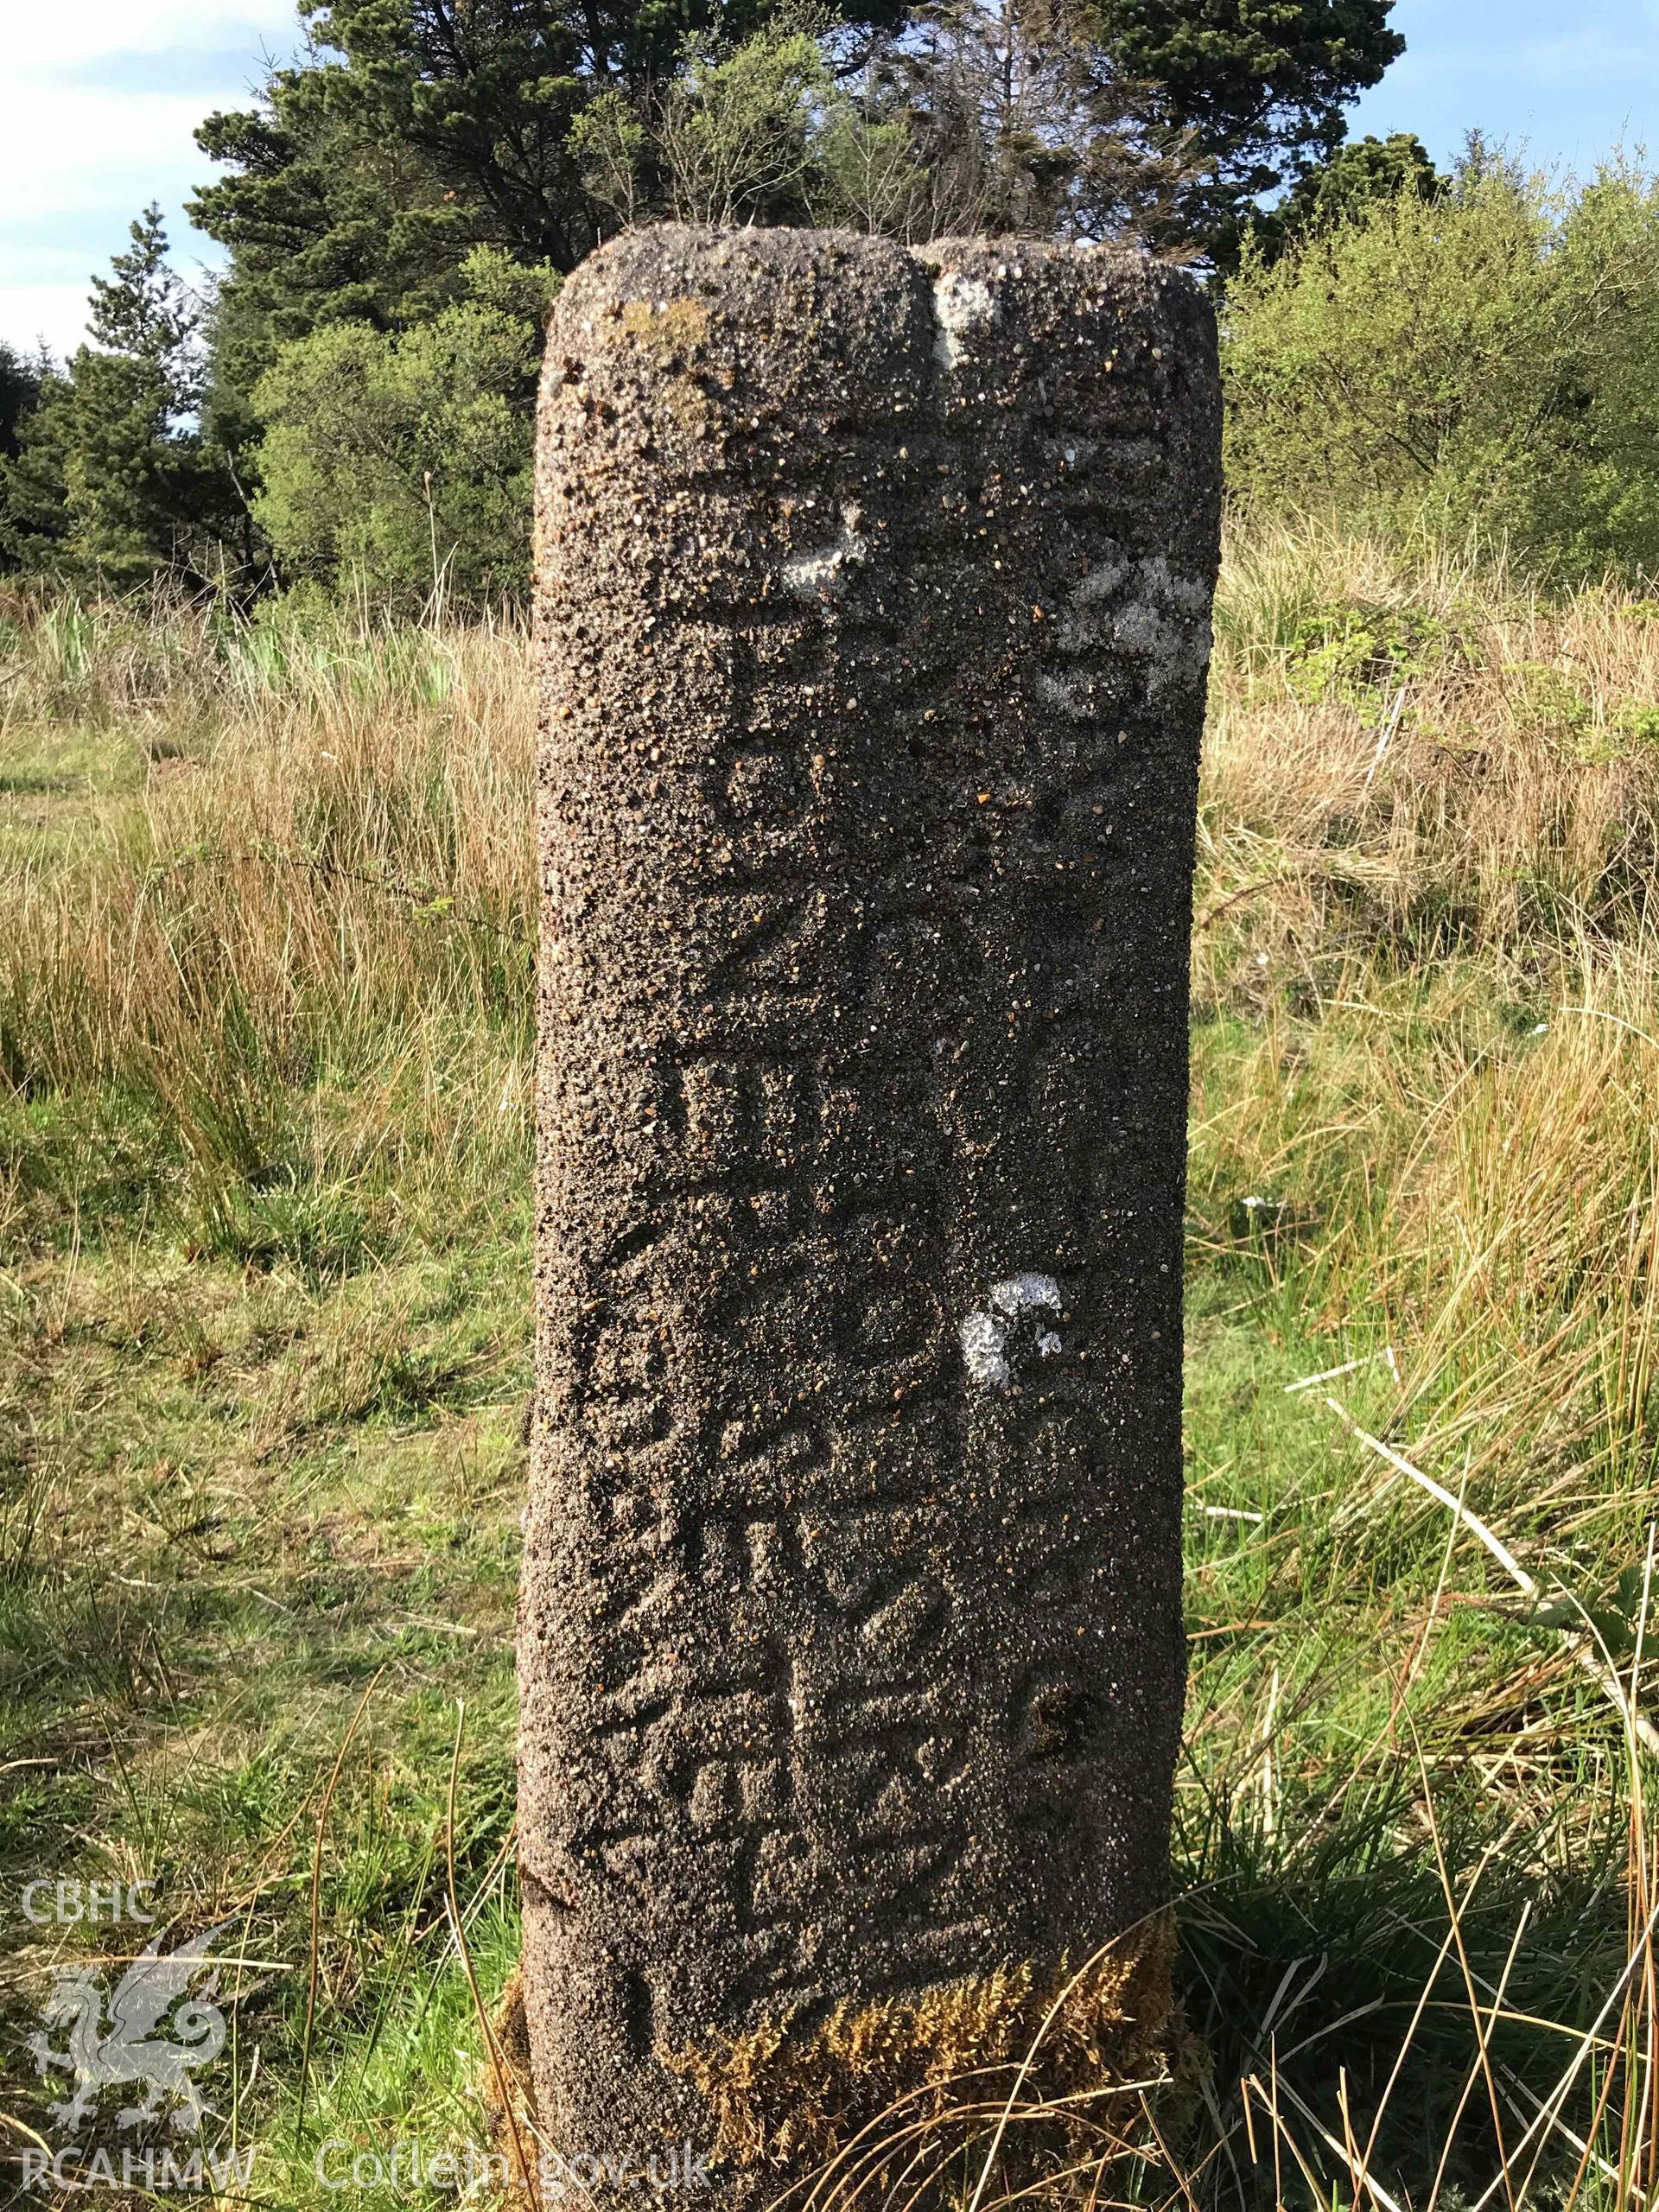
(872, 604)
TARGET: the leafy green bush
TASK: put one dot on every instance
(1546, 698)
(1351, 650)
(401, 460)
(1488, 355)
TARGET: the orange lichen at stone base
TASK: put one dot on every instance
(1055, 2046)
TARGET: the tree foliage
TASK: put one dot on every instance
(378, 193)
(735, 130)
(1025, 123)
(419, 128)
(1360, 172)
(998, 116)
(24, 379)
(22, 376)
(398, 462)
(1258, 86)
(1489, 355)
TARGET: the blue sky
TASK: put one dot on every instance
(1570, 78)
(99, 98)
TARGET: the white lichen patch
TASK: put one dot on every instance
(984, 1340)
(810, 573)
(985, 1335)
(1069, 696)
(1096, 588)
(963, 305)
(1138, 611)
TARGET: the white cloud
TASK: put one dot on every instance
(30, 314)
(97, 105)
(46, 38)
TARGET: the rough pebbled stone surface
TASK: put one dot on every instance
(873, 594)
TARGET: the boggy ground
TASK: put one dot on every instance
(266, 936)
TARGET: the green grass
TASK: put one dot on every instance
(240, 1503)
(265, 922)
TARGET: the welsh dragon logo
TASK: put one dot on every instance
(130, 2049)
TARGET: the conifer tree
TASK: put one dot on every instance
(113, 477)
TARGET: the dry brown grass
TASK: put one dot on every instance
(278, 862)
(300, 933)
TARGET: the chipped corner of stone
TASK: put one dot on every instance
(779, 2097)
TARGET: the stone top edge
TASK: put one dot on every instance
(779, 249)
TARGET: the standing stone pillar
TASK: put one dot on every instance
(873, 596)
